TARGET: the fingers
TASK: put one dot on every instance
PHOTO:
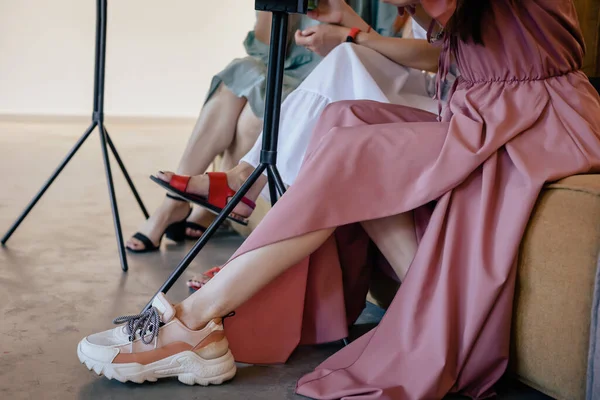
(313, 14)
(304, 38)
(301, 40)
(311, 30)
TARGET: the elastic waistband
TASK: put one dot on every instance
(462, 79)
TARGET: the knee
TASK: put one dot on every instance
(341, 113)
(221, 94)
(341, 52)
(337, 109)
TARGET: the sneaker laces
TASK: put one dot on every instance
(147, 323)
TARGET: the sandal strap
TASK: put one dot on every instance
(145, 241)
(219, 191)
(180, 182)
(212, 272)
(177, 198)
(249, 202)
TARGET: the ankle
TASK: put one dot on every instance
(240, 175)
(171, 205)
(236, 178)
(244, 171)
(188, 318)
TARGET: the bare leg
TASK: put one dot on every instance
(247, 131)
(240, 280)
(213, 133)
(396, 239)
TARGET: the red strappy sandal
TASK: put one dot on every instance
(219, 193)
(196, 283)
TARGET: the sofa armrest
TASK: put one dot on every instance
(555, 288)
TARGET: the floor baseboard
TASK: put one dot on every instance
(83, 119)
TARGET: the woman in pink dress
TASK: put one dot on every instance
(522, 114)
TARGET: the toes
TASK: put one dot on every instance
(193, 233)
(134, 244)
(165, 175)
(240, 216)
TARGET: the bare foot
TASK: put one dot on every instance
(199, 185)
(168, 212)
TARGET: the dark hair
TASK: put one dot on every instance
(465, 25)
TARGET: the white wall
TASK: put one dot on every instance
(161, 55)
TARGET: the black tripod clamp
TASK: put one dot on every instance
(284, 6)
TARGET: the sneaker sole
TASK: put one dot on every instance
(187, 366)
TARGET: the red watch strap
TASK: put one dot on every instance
(353, 34)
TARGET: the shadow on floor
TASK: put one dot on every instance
(60, 277)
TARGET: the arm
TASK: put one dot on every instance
(262, 29)
(412, 53)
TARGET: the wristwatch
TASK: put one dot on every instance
(351, 38)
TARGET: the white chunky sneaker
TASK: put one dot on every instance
(155, 345)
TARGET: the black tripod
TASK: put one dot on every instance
(97, 121)
(281, 10)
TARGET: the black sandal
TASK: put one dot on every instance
(174, 232)
(224, 229)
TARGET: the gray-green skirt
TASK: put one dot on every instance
(247, 77)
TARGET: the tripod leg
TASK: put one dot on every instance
(127, 177)
(210, 231)
(277, 179)
(56, 172)
(273, 194)
(269, 147)
(113, 199)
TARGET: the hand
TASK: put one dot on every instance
(330, 11)
(321, 39)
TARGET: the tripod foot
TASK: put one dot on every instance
(49, 182)
(113, 199)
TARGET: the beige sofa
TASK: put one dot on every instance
(557, 270)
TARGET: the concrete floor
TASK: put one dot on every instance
(60, 277)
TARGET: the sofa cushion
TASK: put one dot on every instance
(555, 285)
